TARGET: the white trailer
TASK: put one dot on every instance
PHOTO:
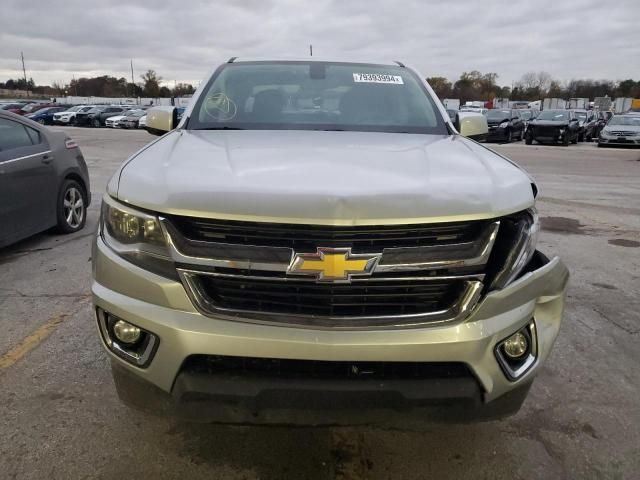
(622, 104)
(451, 103)
(602, 104)
(501, 103)
(553, 104)
(581, 103)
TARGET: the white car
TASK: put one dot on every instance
(112, 122)
(142, 123)
(68, 117)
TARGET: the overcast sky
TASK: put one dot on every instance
(182, 40)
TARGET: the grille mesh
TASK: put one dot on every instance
(369, 298)
(305, 238)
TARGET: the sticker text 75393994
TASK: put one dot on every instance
(377, 78)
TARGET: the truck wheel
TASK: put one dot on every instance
(575, 139)
(528, 139)
(565, 140)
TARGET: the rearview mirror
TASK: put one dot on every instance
(472, 125)
(161, 120)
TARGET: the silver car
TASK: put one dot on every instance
(314, 242)
(44, 180)
(621, 130)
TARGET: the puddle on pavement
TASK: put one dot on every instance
(623, 242)
(562, 225)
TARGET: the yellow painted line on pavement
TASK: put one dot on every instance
(30, 342)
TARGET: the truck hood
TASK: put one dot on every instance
(332, 178)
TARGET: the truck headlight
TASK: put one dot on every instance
(504, 124)
(523, 232)
(136, 236)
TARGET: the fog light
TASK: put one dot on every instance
(515, 346)
(125, 332)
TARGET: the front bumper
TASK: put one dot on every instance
(625, 141)
(162, 306)
(497, 133)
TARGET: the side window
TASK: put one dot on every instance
(34, 135)
(14, 135)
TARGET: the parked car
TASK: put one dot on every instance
(98, 117)
(603, 116)
(12, 107)
(504, 125)
(132, 119)
(113, 122)
(34, 107)
(621, 130)
(587, 122)
(358, 261)
(44, 180)
(142, 123)
(44, 116)
(552, 126)
(68, 116)
(83, 118)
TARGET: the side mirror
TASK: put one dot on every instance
(472, 125)
(161, 120)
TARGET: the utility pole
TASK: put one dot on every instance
(310, 50)
(133, 84)
(24, 71)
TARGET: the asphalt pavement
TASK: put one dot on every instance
(60, 417)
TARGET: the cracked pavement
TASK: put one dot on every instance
(60, 417)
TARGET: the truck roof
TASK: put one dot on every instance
(394, 63)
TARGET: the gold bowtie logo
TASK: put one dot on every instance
(333, 264)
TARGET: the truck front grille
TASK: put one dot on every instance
(305, 238)
(547, 131)
(425, 273)
(360, 298)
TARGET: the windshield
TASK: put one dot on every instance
(30, 107)
(628, 120)
(554, 115)
(316, 96)
(74, 109)
(526, 114)
(581, 115)
(498, 114)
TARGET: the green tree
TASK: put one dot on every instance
(151, 81)
(441, 86)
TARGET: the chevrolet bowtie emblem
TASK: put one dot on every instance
(333, 264)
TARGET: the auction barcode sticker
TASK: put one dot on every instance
(377, 78)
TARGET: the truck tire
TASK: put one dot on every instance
(565, 140)
(528, 139)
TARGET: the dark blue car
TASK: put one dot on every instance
(45, 116)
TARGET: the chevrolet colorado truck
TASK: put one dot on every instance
(314, 242)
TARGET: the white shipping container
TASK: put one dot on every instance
(553, 104)
(581, 103)
(622, 104)
(451, 103)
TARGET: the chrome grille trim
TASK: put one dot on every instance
(278, 259)
(459, 310)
